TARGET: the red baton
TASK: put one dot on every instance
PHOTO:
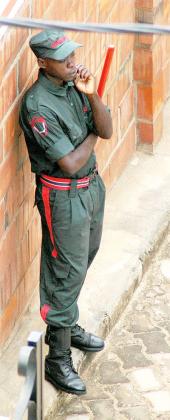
(105, 71)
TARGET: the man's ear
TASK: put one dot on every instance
(41, 62)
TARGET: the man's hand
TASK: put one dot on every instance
(85, 81)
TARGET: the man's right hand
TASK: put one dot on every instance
(85, 81)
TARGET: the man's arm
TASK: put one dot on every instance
(75, 160)
(101, 116)
(86, 83)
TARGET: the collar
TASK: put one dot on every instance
(52, 87)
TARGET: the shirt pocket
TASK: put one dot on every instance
(75, 134)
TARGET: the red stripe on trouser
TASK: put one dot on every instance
(46, 201)
(44, 311)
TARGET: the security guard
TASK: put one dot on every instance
(62, 116)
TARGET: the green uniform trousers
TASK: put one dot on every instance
(77, 219)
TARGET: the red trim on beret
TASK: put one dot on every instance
(59, 41)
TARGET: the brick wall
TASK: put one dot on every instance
(132, 105)
(151, 72)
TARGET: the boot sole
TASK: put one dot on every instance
(62, 388)
(90, 349)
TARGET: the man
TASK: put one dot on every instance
(62, 116)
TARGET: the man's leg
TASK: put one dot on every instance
(59, 369)
(96, 225)
(63, 277)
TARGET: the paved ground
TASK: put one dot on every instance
(130, 379)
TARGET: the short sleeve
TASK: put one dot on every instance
(49, 134)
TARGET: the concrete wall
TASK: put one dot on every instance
(136, 89)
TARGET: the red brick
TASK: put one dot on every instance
(121, 157)
(9, 91)
(1, 143)
(88, 7)
(13, 271)
(28, 207)
(165, 49)
(8, 245)
(8, 319)
(158, 128)
(20, 223)
(32, 277)
(145, 15)
(104, 148)
(166, 11)
(27, 176)
(127, 12)
(21, 302)
(166, 80)
(145, 101)
(39, 8)
(7, 172)
(145, 132)
(25, 67)
(121, 86)
(8, 7)
(34, 237)
(14, 195)
(158, 92)
(126, 110)
(146, 4)
(10, 205)
(22, 257)
(127, 44)
(12, 129)
(57, 11)
(6, 288)
(1, 103)
(76, 10)
(11, 45)
(2, 217)
(145, 39)
(23, 152)
(143, 65)
(105, 7)
(159, 49)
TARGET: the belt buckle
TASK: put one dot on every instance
(73, 188)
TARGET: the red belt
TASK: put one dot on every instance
(48, 183)
(64, 183)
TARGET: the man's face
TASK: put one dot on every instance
(63, 70)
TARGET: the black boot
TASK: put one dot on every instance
(81, 339)
(59, 369)
(84, 340)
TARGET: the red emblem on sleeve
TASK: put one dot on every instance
(39, 124)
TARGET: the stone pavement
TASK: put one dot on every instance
(130, 379)
(136, 221)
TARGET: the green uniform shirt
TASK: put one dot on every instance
(55, 120)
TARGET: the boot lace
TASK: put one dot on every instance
(68, 360)
(77, 329)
